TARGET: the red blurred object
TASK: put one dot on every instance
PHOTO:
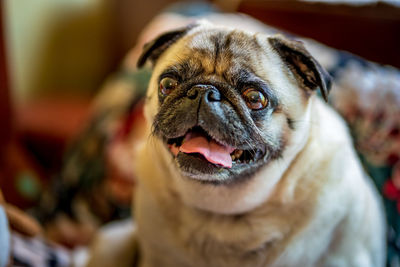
(46, 126)
(391, 191)
(56, 117)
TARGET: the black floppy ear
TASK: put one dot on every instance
(306, 69)
(153, 49)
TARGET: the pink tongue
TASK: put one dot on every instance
(212, 151)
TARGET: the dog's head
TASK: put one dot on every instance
(227, 102)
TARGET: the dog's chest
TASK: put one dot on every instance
(178, 236)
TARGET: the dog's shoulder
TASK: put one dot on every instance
(330, 152)
(329, 127)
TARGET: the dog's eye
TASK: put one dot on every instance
(255, 99)
(167, 84)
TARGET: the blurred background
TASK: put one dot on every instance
(56, 54)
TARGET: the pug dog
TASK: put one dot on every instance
(243, 165)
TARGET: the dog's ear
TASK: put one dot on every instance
(153, 49)
(305, 68)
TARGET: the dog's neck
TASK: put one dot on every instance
(238, 197)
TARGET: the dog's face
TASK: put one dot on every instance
(224, 102)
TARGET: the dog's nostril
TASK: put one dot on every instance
(213, 95)
(193, 93)
(208, 92)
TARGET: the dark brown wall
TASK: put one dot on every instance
(371, 31)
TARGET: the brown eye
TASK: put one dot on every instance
(167, 85)
(255, 99)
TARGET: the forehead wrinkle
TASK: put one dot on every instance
(237, 54)
(214, 49)
(186, 68)
(226, 43)
(236, 51)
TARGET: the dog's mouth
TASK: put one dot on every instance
(199, 144)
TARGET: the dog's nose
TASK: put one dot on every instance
(209, 92)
